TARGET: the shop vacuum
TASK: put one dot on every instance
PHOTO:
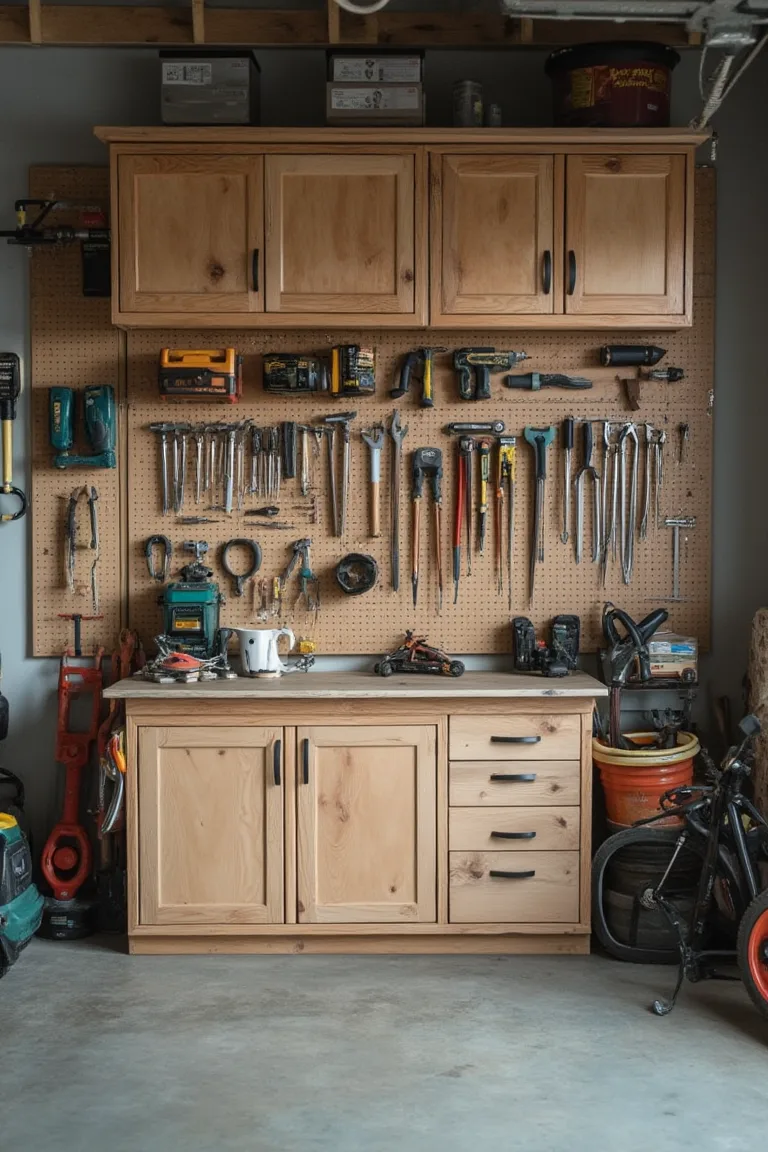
(21, 905)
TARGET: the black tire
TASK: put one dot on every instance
(385, 668)
(456, 668)
(625, 866)
(752, 950)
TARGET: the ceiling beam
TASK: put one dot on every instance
(95, 24)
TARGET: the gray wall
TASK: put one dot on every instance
(53, 97)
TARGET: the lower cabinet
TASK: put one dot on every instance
(210, 807)
(366, 825)
(212, 825)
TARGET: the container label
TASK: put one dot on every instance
(178, 73)
(591, 86)
(368, 99)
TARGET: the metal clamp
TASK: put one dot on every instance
(238, 578)
(159, 572)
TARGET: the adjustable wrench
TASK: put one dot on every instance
(374, 438)
(398, 434)
(629, 520)
(587, 469)
(647, 481)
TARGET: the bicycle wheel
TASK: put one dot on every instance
(752, 951)
(628, 865)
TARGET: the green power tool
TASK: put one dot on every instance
(99, 425)
(21, 905)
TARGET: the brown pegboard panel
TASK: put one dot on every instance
(479, 623)
(73, 343)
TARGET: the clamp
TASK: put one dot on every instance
(159, 572)
(240, 578)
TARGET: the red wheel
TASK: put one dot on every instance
(752, 949)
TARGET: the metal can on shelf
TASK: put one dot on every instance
(468, 104)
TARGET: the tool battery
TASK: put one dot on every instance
(201, 374)
(353, 370)
(288, 374)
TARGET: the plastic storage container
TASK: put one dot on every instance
(619, 84)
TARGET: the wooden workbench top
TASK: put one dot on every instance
(340, 685)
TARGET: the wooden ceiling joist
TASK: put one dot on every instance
(95, 24)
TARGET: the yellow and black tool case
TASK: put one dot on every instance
(201, 374)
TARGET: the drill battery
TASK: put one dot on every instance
(288, 374)
(201, 374)
(353, 370)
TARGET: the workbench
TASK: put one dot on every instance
(343, 812)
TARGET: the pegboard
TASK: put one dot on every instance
(479, 621)
(73, 343)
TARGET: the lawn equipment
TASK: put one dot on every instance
(67, 856)
(415, 655)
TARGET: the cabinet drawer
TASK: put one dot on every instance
(480, 782)
(533, 888)
(518, 737)
(509, 829)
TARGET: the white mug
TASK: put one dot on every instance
(258, 651)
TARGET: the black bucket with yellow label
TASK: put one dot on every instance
(619, 84)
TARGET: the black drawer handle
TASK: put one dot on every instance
(255, 269)
(512, 875)
(513, 835)
(305, 762)
(546, 272)
(276, 761)
(515, 739)
(514, 777)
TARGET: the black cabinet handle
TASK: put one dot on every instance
(515, 739)
(512, 875)
(571, 272)
(514, 777)
(513, 835)
(276, 756)
(546, 272)
(255, 269)
(305, 762)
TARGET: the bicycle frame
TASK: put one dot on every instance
(726, 805)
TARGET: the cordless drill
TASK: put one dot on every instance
(99, 423)
(483, 361)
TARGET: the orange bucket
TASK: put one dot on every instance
(633, 779)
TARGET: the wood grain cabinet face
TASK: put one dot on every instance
(210, 825)
(366, 824)
(492, 237)
(341, 234)
(625, 235)
(191, 233)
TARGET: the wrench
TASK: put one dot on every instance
(374, 438)
(587, 469)
(647, 481)
(398, 434)
(629, 523)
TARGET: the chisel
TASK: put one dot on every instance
(533, 381)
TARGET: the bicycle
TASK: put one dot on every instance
(709, 882)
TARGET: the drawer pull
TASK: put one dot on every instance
(512, 875)
(305, 761)
(515, 739)
(514, 777)
(513, 835)
(276, 761)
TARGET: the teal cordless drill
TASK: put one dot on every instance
(99, 425)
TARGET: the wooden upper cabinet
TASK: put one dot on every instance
(493, 237)
(210, 825)
(345, 236)
(190, 234)
(625, 240)
(366, 832)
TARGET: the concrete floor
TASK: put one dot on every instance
(371, 1054)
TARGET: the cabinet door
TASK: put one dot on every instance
(366, 824)
(341, 234)
(191, 230)
(625, 235)
(210, 826)
(493, 236)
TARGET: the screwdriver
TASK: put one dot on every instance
(567, 434)
(461, 490)
(539, 439)
(484, 453)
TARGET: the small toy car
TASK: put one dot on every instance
(415, 655)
